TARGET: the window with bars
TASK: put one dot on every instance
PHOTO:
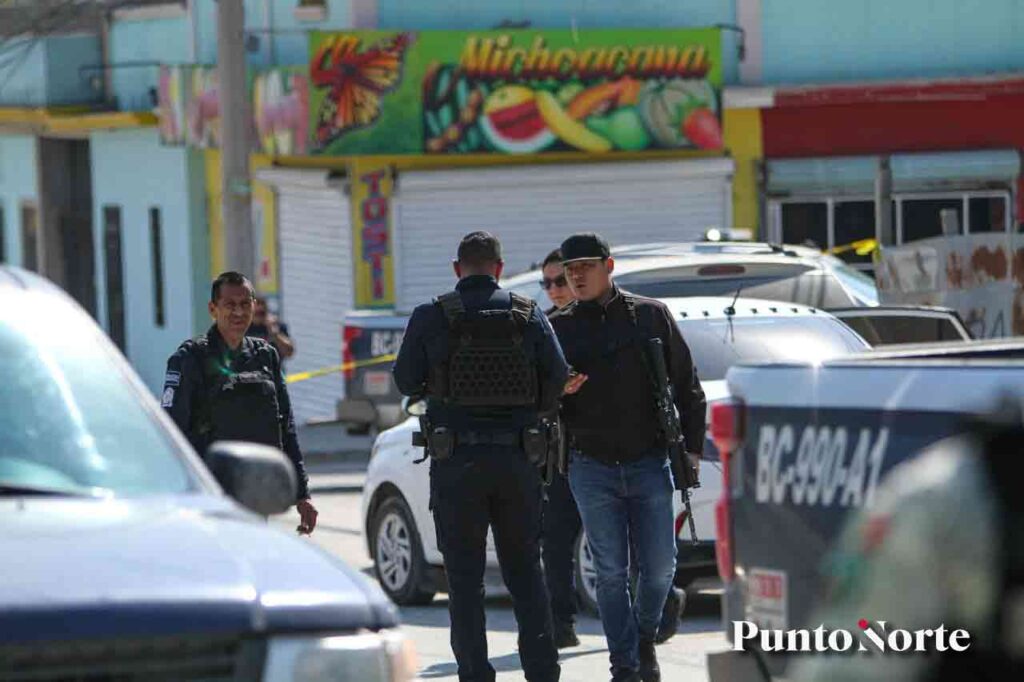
(156, 252)
(829, 222)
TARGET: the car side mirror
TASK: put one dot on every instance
(258, 477)
(414, 407)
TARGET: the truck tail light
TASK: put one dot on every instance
(727, 435)
(349, 334)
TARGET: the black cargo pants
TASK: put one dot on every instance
(481, 486)
(562, 526)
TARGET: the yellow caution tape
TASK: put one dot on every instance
(344, 367)
(862, 247)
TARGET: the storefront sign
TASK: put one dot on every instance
(171, 97)
(281, 111)
(189, 107)
(203, 108)
(514, 92)
(371, 235)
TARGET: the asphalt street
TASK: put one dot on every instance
(336, 483)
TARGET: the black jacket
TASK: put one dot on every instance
(612, 418)
(185, 389)
(425, 344)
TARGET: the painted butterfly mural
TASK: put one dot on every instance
(355, 82)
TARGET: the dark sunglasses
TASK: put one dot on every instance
(559, 281)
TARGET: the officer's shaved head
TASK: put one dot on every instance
(230, 277)
(479, 253)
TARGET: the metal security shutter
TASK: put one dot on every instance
(316, 283)
(533, 208)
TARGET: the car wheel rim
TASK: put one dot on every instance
(588, 572)
(394, 552)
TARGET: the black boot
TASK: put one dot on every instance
(649, 669)
(670, 615)
(625, 675)
(565, 635)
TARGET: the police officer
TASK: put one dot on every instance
(224, 385)
(488, 363)
(561, 519)
(620, 474)
(942, 545)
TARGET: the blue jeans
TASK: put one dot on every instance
(618, 503)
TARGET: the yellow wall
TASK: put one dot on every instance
(264, 213)
(264, 210)
(214, 212)
(744, 142)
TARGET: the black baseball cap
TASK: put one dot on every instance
(479, 247)
(584, 246)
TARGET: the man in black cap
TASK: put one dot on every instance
(489, 364)
(620, 474)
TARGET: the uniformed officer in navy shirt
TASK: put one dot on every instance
(489, 365)
(224, 385)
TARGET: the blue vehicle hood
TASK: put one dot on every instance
(83, 569)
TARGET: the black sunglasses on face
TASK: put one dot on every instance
(559, 281)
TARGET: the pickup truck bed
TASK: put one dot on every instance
(811, 443)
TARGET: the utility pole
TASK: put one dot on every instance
(235, 123)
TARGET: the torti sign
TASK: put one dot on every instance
(513, 92)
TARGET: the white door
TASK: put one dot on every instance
(531, 209)
(315, 235)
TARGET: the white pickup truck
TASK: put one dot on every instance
(803, 444)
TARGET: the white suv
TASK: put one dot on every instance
(399, 527)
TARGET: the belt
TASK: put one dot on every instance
(513, 438)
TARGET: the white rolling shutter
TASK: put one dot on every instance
(316, 283)
(531, 209)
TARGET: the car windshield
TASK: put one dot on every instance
(718, 344)
(883, 330)
(861, 287)
(70, 422)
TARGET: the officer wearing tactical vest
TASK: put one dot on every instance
(942, 545)
(489, 364)
(224, 385)
(620, 472)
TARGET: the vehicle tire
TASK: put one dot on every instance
(586, 576)
(398, 554)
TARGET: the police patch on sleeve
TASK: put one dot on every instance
(168, 397)
(172, 379)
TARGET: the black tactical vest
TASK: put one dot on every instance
(239, 405)
(487, 364)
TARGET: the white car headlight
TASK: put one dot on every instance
(385, 656)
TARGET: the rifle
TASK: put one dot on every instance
(684, 473)
(555, 462)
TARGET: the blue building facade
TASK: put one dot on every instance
(139, 191)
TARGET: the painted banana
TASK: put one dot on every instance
(567, 129)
